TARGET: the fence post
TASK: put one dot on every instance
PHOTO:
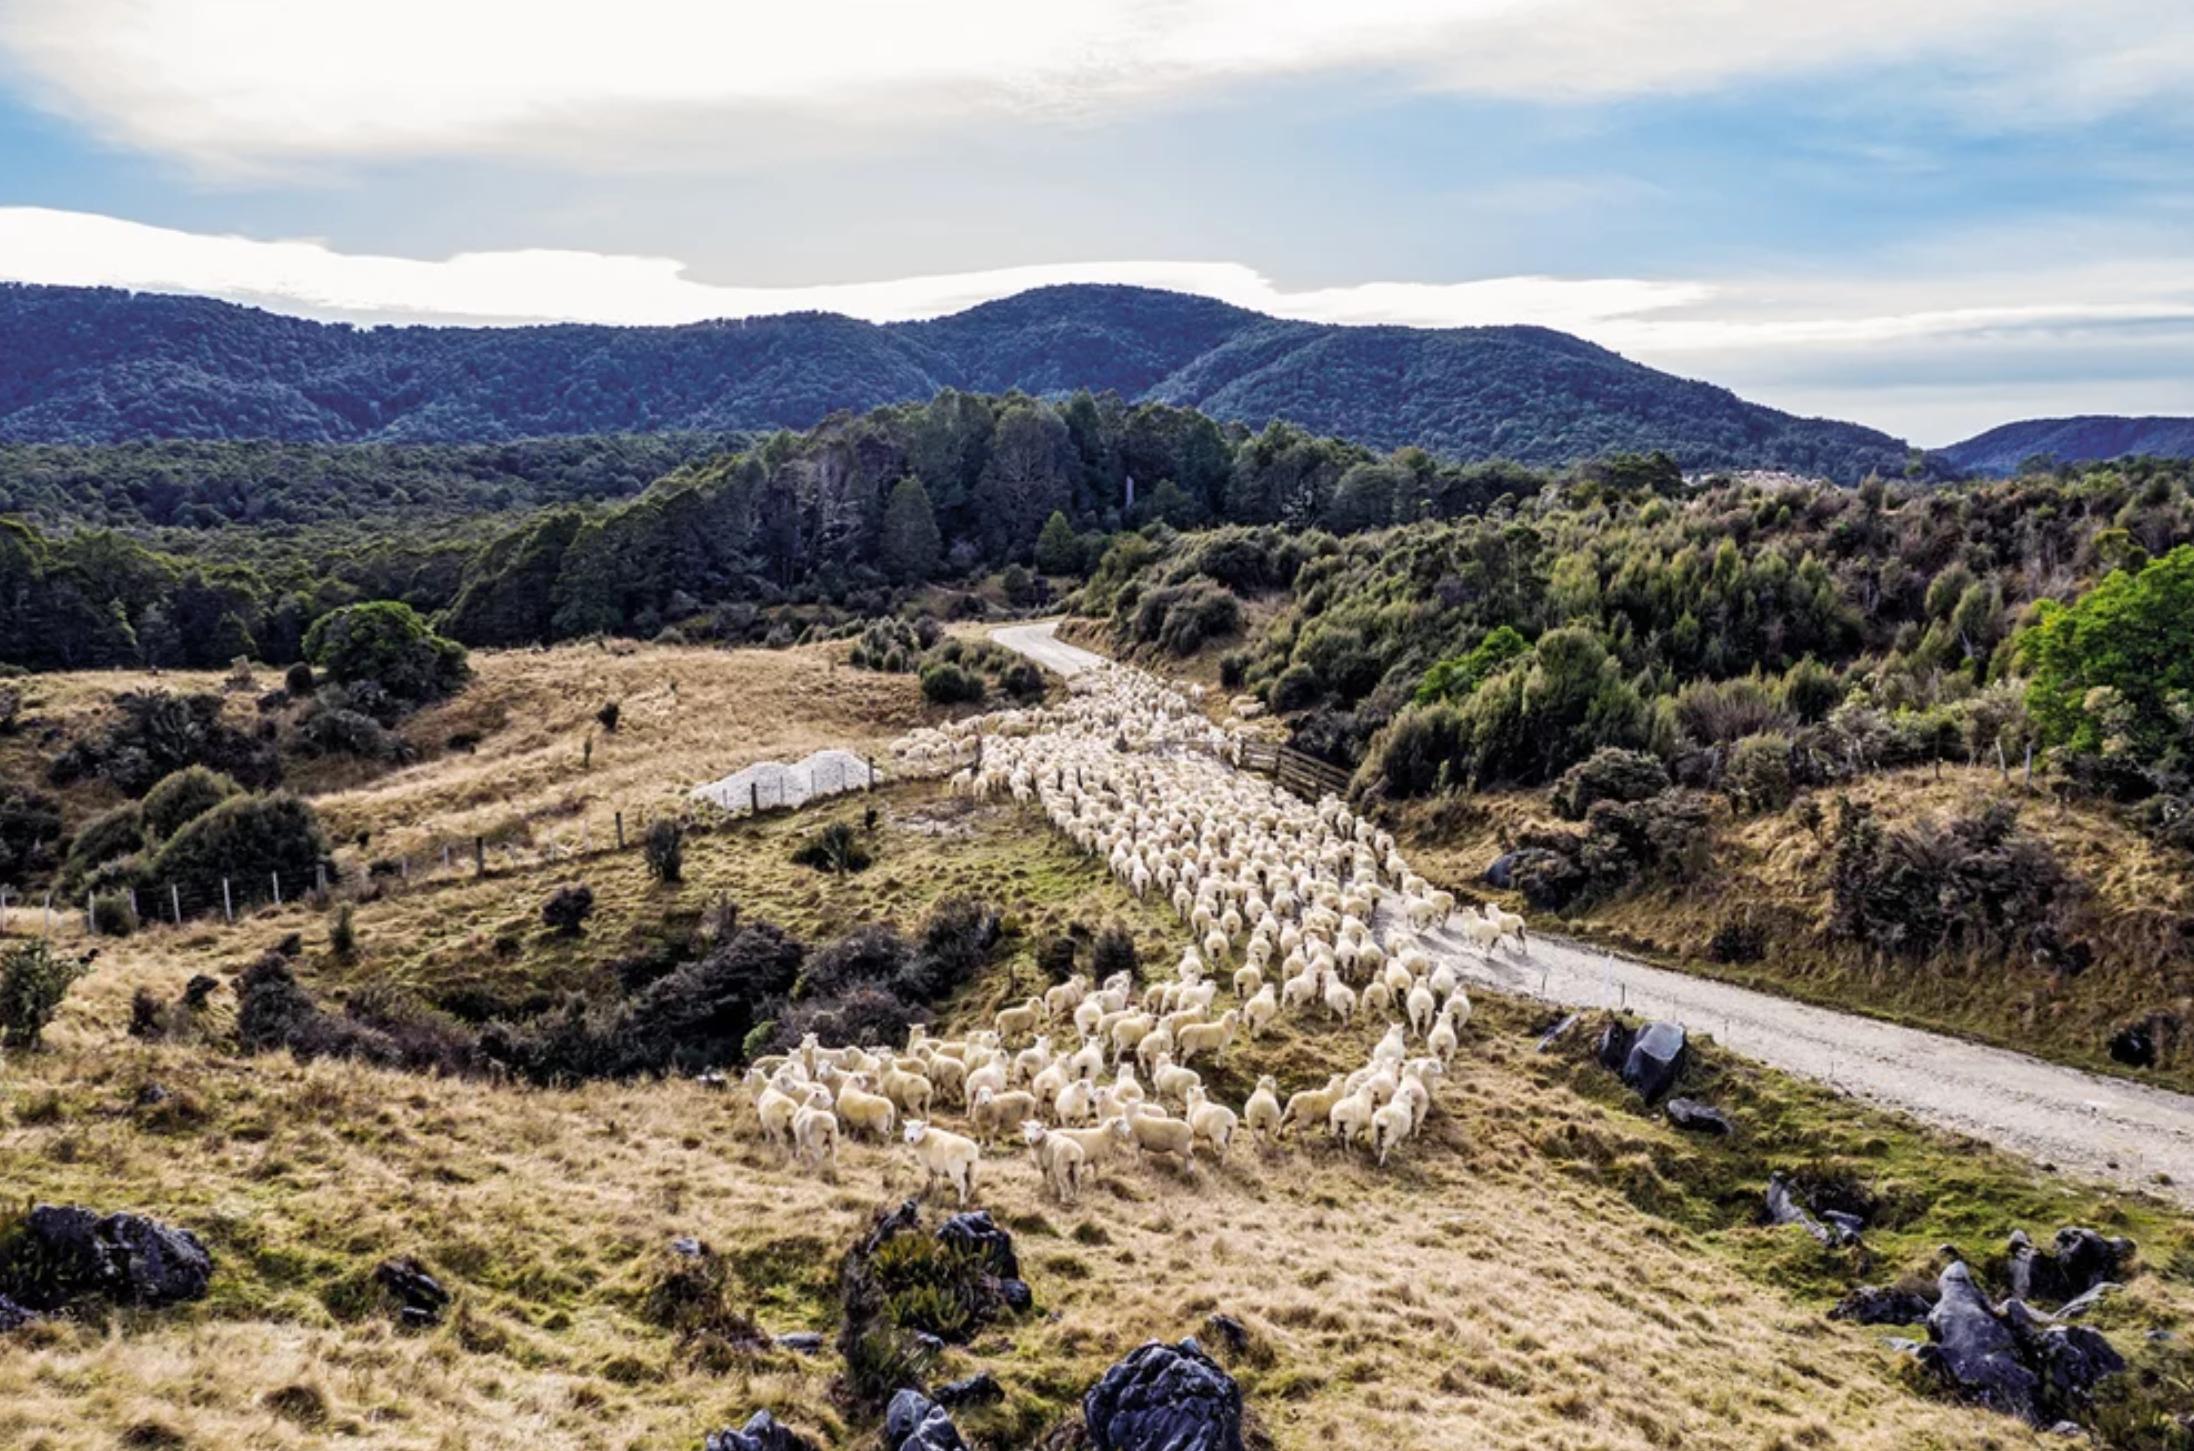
(175, 902)
(276, 878)
(754, 797)
(620, 831)
(403, 868)
(871, 763)
(91, 922)
(480, 856)
(49, 913)
(445, 856)
(228, 904)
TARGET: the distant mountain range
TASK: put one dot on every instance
(2071, 440)
(98, 365)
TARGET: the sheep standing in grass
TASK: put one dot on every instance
(866, 1112)
(1152, 1132)
(1391, 1123)
(1349, 1120)
(1311, 1105)
(997, 1114)
(910, 1091)
(1211, 1038)
(815, 1131)
(775, 1108)
(1213, 1123)
(1059, 1158)
(1020, 1022)
(1261, 1114)
(946, 1158)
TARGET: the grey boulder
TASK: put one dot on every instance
(1164, 1398)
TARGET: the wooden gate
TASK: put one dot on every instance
(1297, 771)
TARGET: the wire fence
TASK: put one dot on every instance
(356, 875)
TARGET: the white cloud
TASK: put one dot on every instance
(253, 82)
(308, 277)
(1935, 344)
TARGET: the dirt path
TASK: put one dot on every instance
(2100, 1128)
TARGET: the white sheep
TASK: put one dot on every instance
(946, 1157)
(1060, 1159)
(1152, 1132)
(1212, 1038)
(1213, 1123)
(1391, 1124)
(815, 1131)
(1262, 1110)
(1311, 1105)
(1001, 1113)
(866, 1112)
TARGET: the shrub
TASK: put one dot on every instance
(1758, 776)
(1018, 587)
(873, 955)
(2115, 669)
(1738, 941)
(107, 837)
(665, 847)
(1022, 680)
(1113, 952)
(944, 683)
(246, 837)
(333, 730)
(1296, 689)
(1458, 676)
(1608, 774)
(182, 797)
(1622, 844)
(1971, 881)
(956, 941)
(30, 828)
(1181, 618)
(567, 909)
(34, 979)
(1419, 751)
(343, 935)
(837, 849)
(299, 681)
(385, 642)
(156, 733)
(1716, 712)
(11, 709)
(113, 915)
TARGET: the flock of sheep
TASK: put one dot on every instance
(1306, 910)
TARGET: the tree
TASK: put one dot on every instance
(2113, 673)
(1058, 547)
(33, 980)
(910, 546)
(387, 644)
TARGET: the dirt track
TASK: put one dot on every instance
(2100, 1128)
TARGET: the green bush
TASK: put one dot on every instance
(2114, 671)
(107, 837)
(1419, 751)
(1758, 777)
(343, 934)
(567, 909)
(665, 846)
(248, 838)
(30, 828)
(1608, 774)
(182, 797)
(944, 683)
(33, 981)
(112, 915)
(1454, 678)
(387, 644)
(1968, 882)
(837, 849)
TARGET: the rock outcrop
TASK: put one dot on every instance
(1164, 1398)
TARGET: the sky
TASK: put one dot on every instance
(1930, 218)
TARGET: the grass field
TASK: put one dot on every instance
(1773, 871)
(1549, 1267)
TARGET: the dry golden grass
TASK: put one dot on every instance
(1547, 1268)
(689, 715)
(1776, 871)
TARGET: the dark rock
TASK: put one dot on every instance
(914, 1422)
(762, 1432)
(1783, 1208)
(292, 945)
(61, 1254)
(419, 1297)
(1016, 1296)
(1975, 1353)
(801, 1342)
(975, 1230)
(1164, 1398)
(980, 1389)
(2135, 1047)
(2011, 1360)
(2079, 1305)
(1656, 1057)
(1232, 1334)
(1502, 873)
(2077, 1261)
(1697, 1118)
(1613, 1049)
(197, 990)
(1881, 1305)
(1555, 1034)
(14, 1316)
(151, 1095)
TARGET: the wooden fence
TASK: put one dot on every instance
(1296, 771)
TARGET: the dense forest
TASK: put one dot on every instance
(188, 484)
(849, 515)
(2038, 442)
(103, 366)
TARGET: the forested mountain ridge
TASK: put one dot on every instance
(2088, 438)
(84, 365)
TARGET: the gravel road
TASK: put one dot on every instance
(2107, 1129)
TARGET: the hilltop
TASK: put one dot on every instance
(2088, 438)
(85, 365)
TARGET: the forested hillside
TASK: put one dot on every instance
(96, 365)
(192, 484)
(2080, 440)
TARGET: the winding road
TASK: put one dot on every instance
(2106, 1129)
